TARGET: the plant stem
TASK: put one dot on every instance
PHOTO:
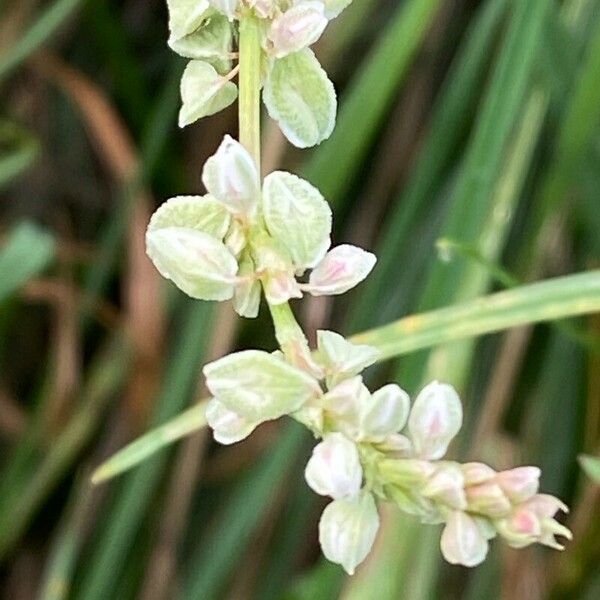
(249, 84)
(288, 332)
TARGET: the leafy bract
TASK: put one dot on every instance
(202, 213)
(297, 216)
(300, 97)
(197, 263)
(211, 41)
(203, 92)
(185, 16)
(259, 386)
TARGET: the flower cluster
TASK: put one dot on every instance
(226, 243)
(245, 235)
(364, 455)
(297, 91)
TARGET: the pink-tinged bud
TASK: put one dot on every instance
(334, 468)
(406, 472)
(462, 542)
(297, 28)
(447, 487)
(341, 269)
(488, 499)
(521, 529)
(519, 484)
(279, 287)
(475, 473)
(435, 419)
(546, 505)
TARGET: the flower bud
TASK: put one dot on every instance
(384, 412)
(462, 542)
(435, 419)
(521, 528)
(488, 499)
(297, 28)
(341, 269)
(347, 530)
(230, 175)
(519, 484)
(446, 486)
(396, 444)
(228, 427)
(406, 472)
(343, 405)
(475, 472)
(334, 468)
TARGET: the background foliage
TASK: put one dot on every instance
(466, 154)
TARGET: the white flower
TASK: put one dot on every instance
(334, 468)
(463, 542)
(435, 418)
(347, 530)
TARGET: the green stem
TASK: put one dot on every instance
(287, 331)
(249, 84)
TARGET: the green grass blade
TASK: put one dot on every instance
(184, 424)
(368, 98)
(46, 24)
(591, 466)
(548, 300)
(27, 252)
(217, 555)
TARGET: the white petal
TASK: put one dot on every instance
(462, 541)
(228, 427)
(435, 418)
(385, 412)
(334, 468)
(203, 92)
(341, 358)
(343, 406)
(258, 386)
(196, 262)
(347, 530)
(230, 175)
(447, 486)
(297, 216)
(246, 300)
(342, 268)
(297, 28)
(519, 484)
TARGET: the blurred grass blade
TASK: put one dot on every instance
(591, 466)
(184, 424)
(366, 101)
(19, 148)
(27, 252)
(449, 124)
(45, 25)
(548, 300)
(218, 555)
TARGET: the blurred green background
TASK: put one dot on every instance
(476, 123)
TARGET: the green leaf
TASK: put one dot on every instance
(201, 213)
(300, 97)
(19, 150)
(297, 216)
(182, 425)
(591, 466)
(259, 386)
(185, 16)
(27, 253)
(197, 263)
(212, 40)
(204, 92)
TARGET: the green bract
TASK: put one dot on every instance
(298, 216)
(300, 97)
(203, 92)
(259, 386)
(185, 16)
